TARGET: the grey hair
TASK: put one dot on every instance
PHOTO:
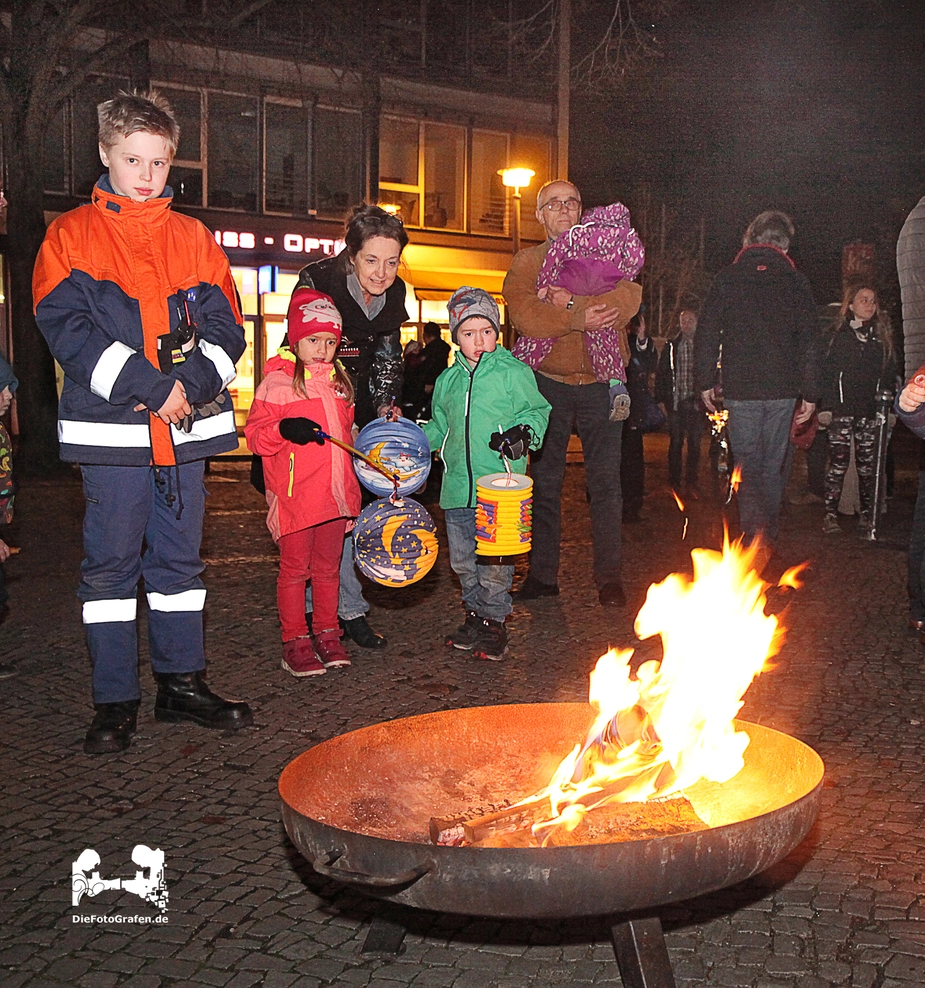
(770, 227)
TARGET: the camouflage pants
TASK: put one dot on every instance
(842, 431)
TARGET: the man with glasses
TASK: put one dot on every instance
(567, 380)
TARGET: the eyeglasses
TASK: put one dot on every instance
(557, 205)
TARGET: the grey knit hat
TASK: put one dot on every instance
(468, 302)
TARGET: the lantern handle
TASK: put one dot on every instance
(394, 477)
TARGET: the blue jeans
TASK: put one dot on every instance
(350, 600)
(759, 432)
(588, 407)
(485, 586)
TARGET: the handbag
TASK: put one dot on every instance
(803, 434)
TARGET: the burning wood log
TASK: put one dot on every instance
(610, 823)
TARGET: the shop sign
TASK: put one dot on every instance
(291, 243)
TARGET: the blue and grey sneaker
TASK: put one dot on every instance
(619, 402)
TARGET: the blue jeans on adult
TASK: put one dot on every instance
(588, 407)
(350, 600)
(485, 586)
(759, 432)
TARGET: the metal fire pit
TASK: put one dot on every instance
(358, 808)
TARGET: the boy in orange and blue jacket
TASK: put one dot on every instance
(139, 308)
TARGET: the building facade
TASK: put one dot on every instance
(278, 143)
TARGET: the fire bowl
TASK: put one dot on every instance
(358, 807)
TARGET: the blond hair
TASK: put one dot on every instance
(128, 113)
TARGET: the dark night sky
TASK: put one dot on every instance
(814, 107)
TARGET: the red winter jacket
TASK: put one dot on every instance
(311, 484)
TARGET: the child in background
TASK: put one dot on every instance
(312, 490)
(487, 401)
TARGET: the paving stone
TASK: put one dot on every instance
(846, 909)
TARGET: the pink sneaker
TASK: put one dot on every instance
(330, 650)
(299, 658)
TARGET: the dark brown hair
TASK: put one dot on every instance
(367, 221)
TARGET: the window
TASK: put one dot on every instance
(488, 196)
(232, 158)
(444, 176)
(399, 167)
(338, 160)
(535, 153)
(287, 159)
(85, 127)
(186, 172)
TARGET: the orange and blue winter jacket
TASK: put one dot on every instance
(110, 278)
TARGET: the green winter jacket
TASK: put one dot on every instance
(468, 406)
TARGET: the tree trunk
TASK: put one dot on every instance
(37, 398)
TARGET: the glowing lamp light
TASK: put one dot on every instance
(516, 178)
(392, 208)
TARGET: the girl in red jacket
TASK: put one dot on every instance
(312, 491)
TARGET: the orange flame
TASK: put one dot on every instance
(678, 500)
(790, 577)
(736, 478)
(672, 724)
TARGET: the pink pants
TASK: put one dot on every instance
(310, 554)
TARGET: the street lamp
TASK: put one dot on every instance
(516, 179)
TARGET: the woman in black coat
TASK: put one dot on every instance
(858, 364)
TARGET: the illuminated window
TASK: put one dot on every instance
(487, 196)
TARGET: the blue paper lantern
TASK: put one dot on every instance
(395, 543)
(399, 447)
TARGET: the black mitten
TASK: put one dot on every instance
(513, 443)
(301, 431)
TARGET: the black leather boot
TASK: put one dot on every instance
(359, 631)
(184, 696)
(112, 727)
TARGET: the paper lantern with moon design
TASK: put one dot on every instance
(399, 447)
(395, 544)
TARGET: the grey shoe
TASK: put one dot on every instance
(830, 525)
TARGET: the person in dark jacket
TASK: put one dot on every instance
(364, 284)
(857, 365)
(436, 355)
(910, 266)
(761, 312)
(642, 364)
(674, 388)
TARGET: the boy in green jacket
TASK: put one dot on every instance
(486, 402)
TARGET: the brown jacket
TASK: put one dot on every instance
(568, 361)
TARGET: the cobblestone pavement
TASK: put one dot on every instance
(846, 908)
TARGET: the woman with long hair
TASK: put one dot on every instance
(858, 363)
